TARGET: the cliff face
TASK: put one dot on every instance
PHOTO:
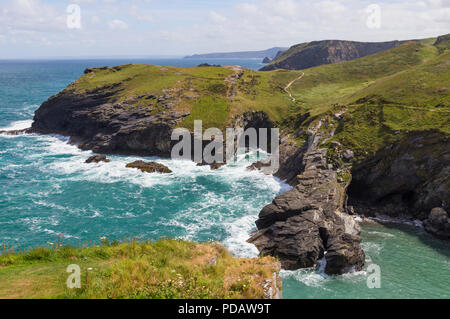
(95, 123)
(391, 136)
(309, 222)
(408, 178)
(306, 55)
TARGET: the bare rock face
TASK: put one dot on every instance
(305, 224)
(97, 122)
(97, 158)
(150, 167)
(306, 55)
(408, 178)
(214, 166)
(438, 223)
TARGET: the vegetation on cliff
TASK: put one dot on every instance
(397, 90)
(162, 269)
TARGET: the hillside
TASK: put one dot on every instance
(379, 123)
(269, 53)
(310, 54)
(152, 100)
(159, 270)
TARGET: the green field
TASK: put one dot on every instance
(132, 270)
(399, 90)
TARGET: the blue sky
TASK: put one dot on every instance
(38, 28)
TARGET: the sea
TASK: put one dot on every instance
(47, 191)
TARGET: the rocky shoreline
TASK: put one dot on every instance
(316, 219)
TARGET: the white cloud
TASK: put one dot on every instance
(217, 18)
(38, 26)
(139, 14)
(117, 25)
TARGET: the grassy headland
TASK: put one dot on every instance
(162, 269)
(398, 90)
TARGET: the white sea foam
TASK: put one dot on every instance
(17, 125)
(309, 277)
(405, 220)
(381, 234)
(317, 278)
(65, 162)
(239, 231)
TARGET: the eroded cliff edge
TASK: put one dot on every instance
(364, 144)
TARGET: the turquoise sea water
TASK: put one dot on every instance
(46, 190)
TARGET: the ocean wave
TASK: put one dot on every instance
(318, 279)
(405, 220)
(224, 212)
(239, 232)
(17, 125)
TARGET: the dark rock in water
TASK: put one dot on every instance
(149, 167)
(266, 60)
(301, 225)
(213, 166)
(344, 254)
(438, 223)
(97, 159)
(15, 132)
(260, 166)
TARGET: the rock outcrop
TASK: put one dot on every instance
(95, 122)
(408, 178)
(214, 166)
(149, 167)
(438, 223)
(97, 158)
(307, 55)
(308, 223)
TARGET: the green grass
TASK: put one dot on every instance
(407, 88)
(213, 111)
(162, 269)
(338, 83)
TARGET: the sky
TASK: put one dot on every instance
(107, 28)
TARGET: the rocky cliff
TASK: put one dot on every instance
(382, 149)
(309, 222)
(307, 55)
(95, 122)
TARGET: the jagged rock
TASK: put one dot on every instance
(404, 178)
(307, 55)
(95, 123)
(263, 166)
(438, 223)
(301, 225)
(344, 254)
(150, 167)
(266, 60)
(97, 159)
(213, 166)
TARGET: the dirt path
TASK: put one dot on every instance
(231, 80)
(286, 89)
